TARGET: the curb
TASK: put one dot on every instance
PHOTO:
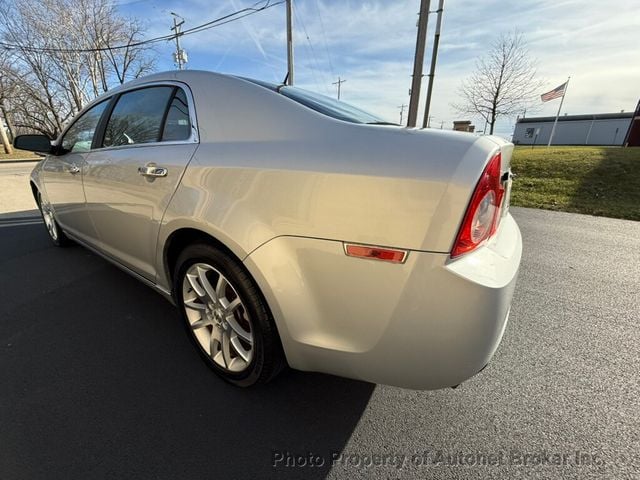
(20, 160)
(16, 218)
(24, 214)
(18, 221)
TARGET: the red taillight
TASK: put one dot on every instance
(483, 213)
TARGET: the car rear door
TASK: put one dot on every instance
(147, 139)
(62, 174)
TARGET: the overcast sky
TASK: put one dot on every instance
(371, 45)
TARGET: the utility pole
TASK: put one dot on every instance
(434, 56)
(417, 63)
(338, 83)
(180, 56)
(402, 107)
(289, 43)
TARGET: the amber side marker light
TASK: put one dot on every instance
(376, 253)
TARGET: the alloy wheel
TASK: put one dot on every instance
(49, 219)
(217, 317)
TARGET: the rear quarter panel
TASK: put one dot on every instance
(268, 167)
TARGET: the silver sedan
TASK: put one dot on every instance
(290, 228)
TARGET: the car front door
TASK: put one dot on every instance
(146, 143)
(62, 174)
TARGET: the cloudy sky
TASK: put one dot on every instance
(371, 45)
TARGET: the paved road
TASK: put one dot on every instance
(99, 380)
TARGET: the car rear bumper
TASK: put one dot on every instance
(429, 323)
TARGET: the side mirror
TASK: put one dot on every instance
(33, 143)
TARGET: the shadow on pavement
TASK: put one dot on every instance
(611, 187)
(99, 380)
(24, 214)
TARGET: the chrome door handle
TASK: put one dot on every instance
(73, 169)
(152, 170)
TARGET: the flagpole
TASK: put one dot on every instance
(553, 129)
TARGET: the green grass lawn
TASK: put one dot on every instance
(17, 154)
(603, 181)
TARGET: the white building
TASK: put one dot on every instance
(598, 129)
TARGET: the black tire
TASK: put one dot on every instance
(56, 235)
(267, 355)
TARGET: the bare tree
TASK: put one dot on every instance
(7, 92)
(503, 83)
(105, 29)
(53, 75)
(6, 89)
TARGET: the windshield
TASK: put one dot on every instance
(323, 104)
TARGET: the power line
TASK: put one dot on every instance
(324, 36)
(231, 17)
(317, 69)
(126, 4)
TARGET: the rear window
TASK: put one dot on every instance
(323, 104)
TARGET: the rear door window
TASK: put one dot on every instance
(138, 117)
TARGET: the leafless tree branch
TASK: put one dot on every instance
(504, 82)
(40, 91)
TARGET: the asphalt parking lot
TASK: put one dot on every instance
(100, 381)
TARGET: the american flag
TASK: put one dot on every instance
(555, 93)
